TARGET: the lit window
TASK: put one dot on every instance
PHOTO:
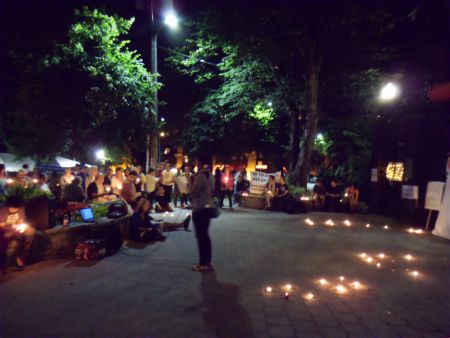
(395, 171)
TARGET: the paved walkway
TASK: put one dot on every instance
(151, 292)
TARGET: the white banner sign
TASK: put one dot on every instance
(433, 198)
(410, 192)
(442, 227)
(258, 181)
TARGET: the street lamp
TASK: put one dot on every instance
(389, 92)
(171, 19)
(153, 142)
(100, 155)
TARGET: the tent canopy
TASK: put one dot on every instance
(13, 163)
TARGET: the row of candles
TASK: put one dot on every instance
(347, 223)
(339, 288)
(382, 256)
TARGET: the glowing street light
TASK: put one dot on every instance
(100, 155)
(153, 151)
(171, 19)
(389, 92)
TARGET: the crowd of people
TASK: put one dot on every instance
(157, 190)
(330, 198)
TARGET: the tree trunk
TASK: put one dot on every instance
(303, 165)
(294, 139)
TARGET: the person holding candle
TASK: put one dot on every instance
(117, 181)
(150, 186)
(162, 204)
(67, 178)
(227, 187)
(12, 217)
(128, 191)
(203, 209)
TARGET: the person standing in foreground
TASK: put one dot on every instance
(202, 209)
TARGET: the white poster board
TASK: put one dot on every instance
(442, 227)
(433, 197)
(410, 192)
(258, 181)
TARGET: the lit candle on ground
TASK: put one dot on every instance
(418, 231)
(369, 260)
(411, 230)
(409, 257)
(329, 222)
(286, 295)
(288, 287)
(386, 227)
(268, 289)
(341, 278)
(309, 296)
(340, 289)
(414, 273)
(381, 255)
(363, 255)
(347, 223)
(323, 281)
(309, 222)
(356, 285)
(378, 265)
(367, 225)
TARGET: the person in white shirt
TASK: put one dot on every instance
(117, 181)
(67, 178)
(183, 183)
(167, 180)
(150, 186)
(140, 181)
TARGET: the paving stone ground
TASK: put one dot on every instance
(151, 292)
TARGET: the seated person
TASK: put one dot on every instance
(242, 186)
(13, 228)
(74, 192)
(333, 197)
(270, 191)
(162, 204)
(96, 191)
(142, 229)
(281, 195)
(319, 192)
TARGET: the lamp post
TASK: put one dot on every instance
(388, 94)
(153, 141)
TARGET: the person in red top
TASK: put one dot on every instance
(227, 187)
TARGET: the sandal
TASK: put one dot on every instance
(200, 268)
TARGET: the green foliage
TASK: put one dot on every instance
(322, 144)
(26, 194)
(99, 210)
(297, 191)
(262, 113)
(89, 89)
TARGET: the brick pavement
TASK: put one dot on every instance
(151, 292)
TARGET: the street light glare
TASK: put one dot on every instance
(171, 19)
(389, 92)
(100, 154)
